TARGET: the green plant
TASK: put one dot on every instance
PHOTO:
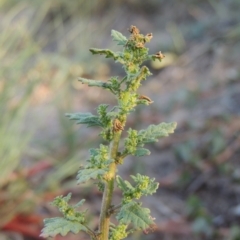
(103, 161)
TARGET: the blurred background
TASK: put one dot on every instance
(44, 48)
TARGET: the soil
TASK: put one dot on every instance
(198, 88)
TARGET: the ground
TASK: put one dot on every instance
(196, 86)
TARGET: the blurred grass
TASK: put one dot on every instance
(39, 58)
(16, 50)
(25, 76)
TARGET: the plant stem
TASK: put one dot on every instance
(108, 190)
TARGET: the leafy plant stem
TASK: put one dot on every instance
(108, 190)
(102, 164)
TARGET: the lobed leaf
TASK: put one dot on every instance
(141, 152)
(94, 83)
(153, 132)
(152, 188)
(119, 38)
(85, 118)
(62, 226)
(108, 53)
(133, 213)
(92, 173)
(94, 151)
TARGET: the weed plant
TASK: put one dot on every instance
(102, 164)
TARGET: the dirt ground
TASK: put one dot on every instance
(196, 86)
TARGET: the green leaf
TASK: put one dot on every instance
(85, 118)
(152, 188)
(145, 184)
(97, 166)
(79, 204)
(141, 152)
(86, 174)
(67, 198)
(153, 132)
(94, 151)
(133, 213)
(103, 115)
(108, 53)
(123, 185)
(54, 226)
(118, 37)
(94, 83)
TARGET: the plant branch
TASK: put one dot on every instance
(108, 190)
(103, 161)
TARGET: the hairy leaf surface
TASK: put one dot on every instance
(153, 132)
(108, 53)
(85, 118)
(62, 226)
(141, 152)
(86, 174)
(118, 37)
(133, 213)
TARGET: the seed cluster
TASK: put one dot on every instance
(117, 125)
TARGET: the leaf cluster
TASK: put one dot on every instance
(97, 166)
(137, 139)
(72, 220)
(143, 186)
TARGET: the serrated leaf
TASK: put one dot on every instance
(108, 53)
(119, 38)
(141, 152)
(86, 174)
(85, 118)
(152, 188)
(62, 226)
(129, 185)
(133, 213)
(153, 132)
